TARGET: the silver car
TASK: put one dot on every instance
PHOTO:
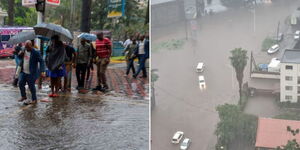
(185, 144)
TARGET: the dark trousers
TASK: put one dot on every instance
(30, 80)
(130, 65)
(80, 74)
(142, 61)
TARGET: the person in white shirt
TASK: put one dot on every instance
(30, 60)
(128, 42)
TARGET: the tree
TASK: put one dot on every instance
(86, 16)
(238, 60)
(234, 126)
(147, 14)
(291, 144)
(11, 12)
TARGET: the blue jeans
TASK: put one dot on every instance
(130, 65)
(142, 61)
(30, 80)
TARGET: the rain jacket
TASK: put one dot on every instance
(56, 55)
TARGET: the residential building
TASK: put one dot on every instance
(290, 76)
(272, 133)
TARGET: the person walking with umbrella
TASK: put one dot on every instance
(30, 58)
(103, 52)
(55, 59)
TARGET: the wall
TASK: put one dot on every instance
(294, 83)
(166, 13)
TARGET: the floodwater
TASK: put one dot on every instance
(73, 121)
(180, 105)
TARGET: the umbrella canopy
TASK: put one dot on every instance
(49, 29)
(21, 37)
(88, 36)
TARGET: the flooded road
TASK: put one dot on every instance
(87, 122)
(93, 121)
(180, 105)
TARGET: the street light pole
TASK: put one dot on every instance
(254, 19)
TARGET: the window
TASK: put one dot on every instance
(288, 88)
(298, 98)
(288, 97)
(298, 80)
(298, 90)
(290, 78)
(288, 67)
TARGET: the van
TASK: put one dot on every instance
(200, 67)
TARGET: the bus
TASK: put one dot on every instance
(6, 50)
(7, 32)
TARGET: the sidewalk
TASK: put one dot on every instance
(118, 83)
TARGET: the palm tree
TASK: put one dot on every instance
(238, 60)
(86, 16)
(11, 12)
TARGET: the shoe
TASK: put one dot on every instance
(143, 76)
(55, 95)
(98, 88)
(51, 95)
(28, 102)
(22, 99)
(104, 89)
(134, 76)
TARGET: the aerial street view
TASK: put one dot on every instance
(227, 74)
(74, 74)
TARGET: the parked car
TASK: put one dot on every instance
(185, 144)
(297, 35)
(202, 84)
(273, 49)
(200, 67)
(177, 137)
(8, 52)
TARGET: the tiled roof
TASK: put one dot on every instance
(272, 133)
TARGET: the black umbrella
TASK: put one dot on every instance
(49, 29)
(21, 37)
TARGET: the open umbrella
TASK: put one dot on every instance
(49, 29)
(21, 37)
(88, 36)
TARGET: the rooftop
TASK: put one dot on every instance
(291, 56)
(155, 2)
(272, 133)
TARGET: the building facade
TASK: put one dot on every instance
(3, 14)
(290, 76)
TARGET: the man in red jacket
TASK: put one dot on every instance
(103, 52)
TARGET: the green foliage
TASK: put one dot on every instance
(291, 144)
(23, 16)
(154, 75)
(238, 60)
(289, 115)
(68, 14)
(267, 43)
(173, 44)
(233, 3)
(234, 125)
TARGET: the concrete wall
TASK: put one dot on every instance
(166, 13)
(294, 82)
